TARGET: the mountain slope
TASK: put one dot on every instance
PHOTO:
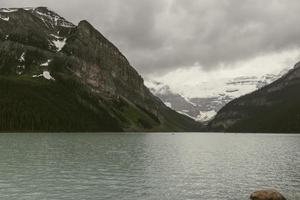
(204, 108)
(71, 78)
(200, 109)
(40, 105)
(273, 108)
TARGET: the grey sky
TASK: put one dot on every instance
(159, 36)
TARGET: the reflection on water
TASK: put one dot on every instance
(147, 166)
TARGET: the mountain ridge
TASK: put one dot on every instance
(36, 44)
(205, 108)
(273, 108)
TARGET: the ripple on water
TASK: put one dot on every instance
(147, 166)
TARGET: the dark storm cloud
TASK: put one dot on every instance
(162, 35)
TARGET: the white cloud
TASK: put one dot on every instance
(192, 81)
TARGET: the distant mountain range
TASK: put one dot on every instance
(57, 76)
(205, 108)
(274, 108)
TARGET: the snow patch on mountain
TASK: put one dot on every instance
(8, 10)
(56, 36)
(28, 8)
(58, 42)
(45, 74)
(46, 63)
(4, 18)
(205, 116)
(66, 24)
(50, 17)
(22, 57)
(53, 19)
(185, 113)
(168, 104)
(188, 100)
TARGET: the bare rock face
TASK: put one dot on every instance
(267, 195)
(88, 66)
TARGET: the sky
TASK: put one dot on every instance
(195, 82)
(194, 39)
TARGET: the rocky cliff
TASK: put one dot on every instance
(73, 66)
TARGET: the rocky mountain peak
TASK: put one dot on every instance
(50, 17)
(86, 25)
(37, 43)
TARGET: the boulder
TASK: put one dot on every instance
(267, 195)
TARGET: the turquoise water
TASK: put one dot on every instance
(185, 166)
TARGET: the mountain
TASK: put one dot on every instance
(205, 108)
(200, 109)
(273, 108)
(56, 76)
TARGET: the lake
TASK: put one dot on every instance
(157, 166)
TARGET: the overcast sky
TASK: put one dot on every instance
(160, 37)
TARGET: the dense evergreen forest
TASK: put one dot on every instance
(28, 104)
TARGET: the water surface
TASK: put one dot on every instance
(185, 166)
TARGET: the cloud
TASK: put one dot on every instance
(160, 36)
(193, 81)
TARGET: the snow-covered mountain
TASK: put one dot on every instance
(204, 108)
(274, 108)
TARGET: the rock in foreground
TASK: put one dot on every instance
(267, 195)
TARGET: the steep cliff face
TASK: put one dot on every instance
(37, 45)
(273, 108)
(106, 69)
